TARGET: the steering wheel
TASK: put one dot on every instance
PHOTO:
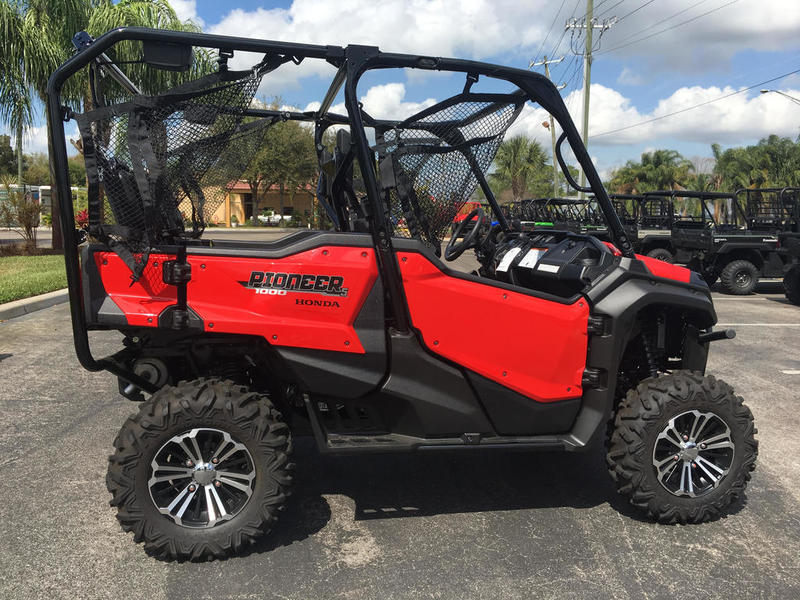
(454, 248)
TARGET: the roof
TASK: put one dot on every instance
(242, 186)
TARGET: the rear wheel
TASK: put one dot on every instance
(791, 285)
(683, 447)
(201, 471)
(661, 254)
(739, 277)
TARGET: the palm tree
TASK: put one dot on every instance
(36, 37)
(519, 159)
(665, 169)
(658, 170)
(16, 110)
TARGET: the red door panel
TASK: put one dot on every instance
(533, 346)
(327, 288)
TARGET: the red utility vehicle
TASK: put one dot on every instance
(360, 335)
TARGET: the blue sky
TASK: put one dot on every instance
(667, 56)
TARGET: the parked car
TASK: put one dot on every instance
(274, 219)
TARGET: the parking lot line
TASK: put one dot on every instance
(791, 372)
(758, 324)
(745, 298)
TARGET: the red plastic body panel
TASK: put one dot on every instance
(534, 346)
(219, 294)
(659, 268)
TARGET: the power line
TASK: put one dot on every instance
(599, 4)
(688, 108)
(563, 33)
(608, 9)
(555, 51)
(672, 16)
(640, 8)
(647, 37)
(536, 56)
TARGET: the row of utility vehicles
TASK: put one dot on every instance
(734, 238)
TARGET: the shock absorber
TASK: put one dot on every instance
(650, 350)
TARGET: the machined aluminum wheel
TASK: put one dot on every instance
(693, 453)
(201, 478)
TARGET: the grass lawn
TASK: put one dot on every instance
(24, 276)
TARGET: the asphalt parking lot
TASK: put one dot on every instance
(498, 525)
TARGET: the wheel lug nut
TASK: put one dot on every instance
(694, 465)
(676, 457)
(217, 483)
(192, 488)
(685, 438)
(189, 463)
(215, 460)
(703, 446)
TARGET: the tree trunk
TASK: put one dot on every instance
(291, 198)
(19, 155)
(281, 189)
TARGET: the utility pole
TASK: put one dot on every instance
(552, 127)
(589, 24)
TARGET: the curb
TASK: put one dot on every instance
(17, 308)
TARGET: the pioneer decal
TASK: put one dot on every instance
(278, 284)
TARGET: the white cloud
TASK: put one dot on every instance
(34, 140)
(387, 101)
(530, 124)
(427, 27)
(472, 28)
(187, 11)
(629, 77)
(709, 41)
(738, 119)
(383, 102)
(482, 29)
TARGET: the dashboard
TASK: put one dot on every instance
(556, 262)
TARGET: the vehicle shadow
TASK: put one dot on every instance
(388, 486)
(770, 286)
(391, 486)
(431, 483)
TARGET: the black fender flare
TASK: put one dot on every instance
(618, 309)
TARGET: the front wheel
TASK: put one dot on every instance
(201, 471)
(682, 448)
(739, 277)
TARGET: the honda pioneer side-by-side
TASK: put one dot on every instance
(361, 335)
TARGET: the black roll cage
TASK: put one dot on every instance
(787, 218)
(705, 214)
(352, 63)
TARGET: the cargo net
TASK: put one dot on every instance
(160, 166)
(434, 159)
